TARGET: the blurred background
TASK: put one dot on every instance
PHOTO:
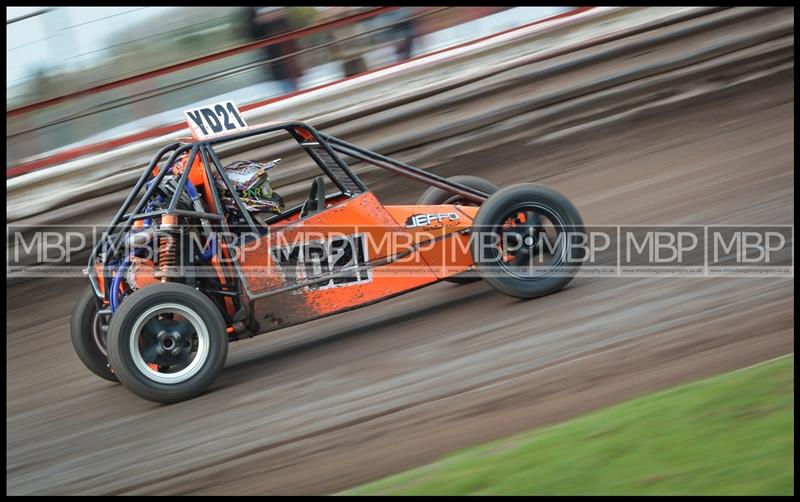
(641, 116)
(55, 52)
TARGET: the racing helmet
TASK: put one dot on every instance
(250, 179)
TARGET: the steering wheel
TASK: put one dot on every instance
(316, 198)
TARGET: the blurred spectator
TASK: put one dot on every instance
(266, 22)
(406, 32)
(350, 48)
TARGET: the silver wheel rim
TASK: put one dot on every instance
(200, 332)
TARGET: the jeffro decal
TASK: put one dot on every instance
(423, 220)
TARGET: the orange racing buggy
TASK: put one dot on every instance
(187, 265)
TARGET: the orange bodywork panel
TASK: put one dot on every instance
(350, 255)
(440, 233)
(331, 201)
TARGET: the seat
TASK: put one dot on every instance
(316, 198)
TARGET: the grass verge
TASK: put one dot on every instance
(732, 434)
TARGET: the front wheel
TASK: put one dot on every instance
(167, 343)
(527, 240)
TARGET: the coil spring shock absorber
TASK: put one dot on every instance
(167, 247)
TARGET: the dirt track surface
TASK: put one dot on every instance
(330, 404)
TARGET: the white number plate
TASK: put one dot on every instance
(213, 120)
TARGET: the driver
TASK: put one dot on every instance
(250, 179)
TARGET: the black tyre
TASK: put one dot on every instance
(526, 240)
(167, 343)
(88, 338)
(437, 196)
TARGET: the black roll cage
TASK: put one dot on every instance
(323, 149)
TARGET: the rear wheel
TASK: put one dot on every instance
(437, 196)
(527, 240)
(167, 342)
(88, 337)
